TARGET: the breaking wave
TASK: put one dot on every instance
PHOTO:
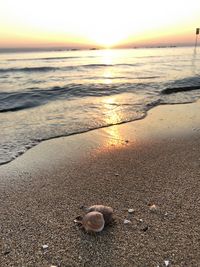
(172, 90)
(32, 97)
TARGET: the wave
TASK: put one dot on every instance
(123, 77)
(182, 85)
(31, 69)
(35, 96)
(32, 97)
(173, 90)
(65, 68)
(146, 77)
(48, 58)
(40, 59)
(110, 65)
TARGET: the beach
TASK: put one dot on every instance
(152, 161)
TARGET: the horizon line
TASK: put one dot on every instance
(65, 48)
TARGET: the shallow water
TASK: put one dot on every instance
(49, 94)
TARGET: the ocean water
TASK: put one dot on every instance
(50, 94)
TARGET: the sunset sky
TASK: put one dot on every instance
(104, 23)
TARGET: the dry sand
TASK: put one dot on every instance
(152, 161)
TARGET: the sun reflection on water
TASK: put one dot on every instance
(108, 58)
(111, 105)
(107, 77)
(111, 111)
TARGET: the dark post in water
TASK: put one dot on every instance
(197, 33)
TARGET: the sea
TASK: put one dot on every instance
(50, 94)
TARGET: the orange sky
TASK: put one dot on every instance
(105, 23)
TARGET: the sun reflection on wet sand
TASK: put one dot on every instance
(112, 116)
(114, 137)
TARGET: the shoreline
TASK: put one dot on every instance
(150, 161)
(101, 127)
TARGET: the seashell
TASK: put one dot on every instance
(93, 221)
(130, 211)
(105, 210)
(45, 246)
(153, 208)
(166, 263)
(127, 221)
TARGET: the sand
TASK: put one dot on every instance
(152, 161)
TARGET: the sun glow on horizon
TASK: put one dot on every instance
(104, 23)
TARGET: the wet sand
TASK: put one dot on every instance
(152, 161)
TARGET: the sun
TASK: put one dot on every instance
(106, 39)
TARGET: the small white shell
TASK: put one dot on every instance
(153, 208)
(166, 263)
(45, 246)
(130, 210)
(127, 221)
